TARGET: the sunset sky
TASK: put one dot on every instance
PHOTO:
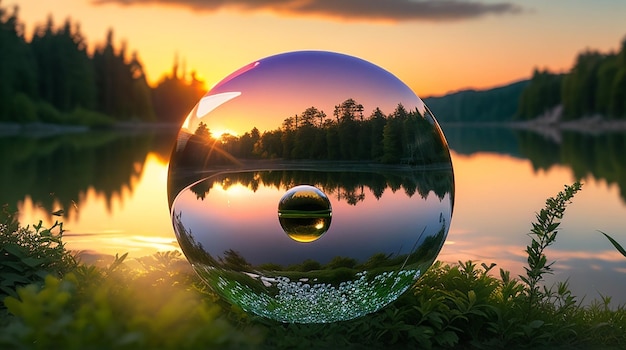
(282, 85)
(433, 46)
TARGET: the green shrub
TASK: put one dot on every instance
(47, 113)
(24, 110)
(28, 255)
(81, 116)
(121, 308)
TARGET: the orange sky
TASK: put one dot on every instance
(433, 49)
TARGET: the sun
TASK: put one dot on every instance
(219, 134)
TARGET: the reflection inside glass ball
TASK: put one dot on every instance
(304, 213)
(324, 135)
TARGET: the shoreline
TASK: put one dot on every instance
(48, 129)
(548, 124)
(551, 126)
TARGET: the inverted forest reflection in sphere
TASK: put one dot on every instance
(318, 135)
(304, 212)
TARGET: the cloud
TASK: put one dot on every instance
(351, 10)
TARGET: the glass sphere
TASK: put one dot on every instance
(319, 135)
(304, 213)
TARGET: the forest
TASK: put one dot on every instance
(54, 77)
(492, 105)
(404, 136)
(596, 85)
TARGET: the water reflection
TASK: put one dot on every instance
(57, 171)
(588, 155)
(101, 184)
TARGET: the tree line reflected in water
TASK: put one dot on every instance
(57, 171)
(600, 155)
(348, 186)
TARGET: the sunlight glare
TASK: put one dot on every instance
(233, 190)
(218, 135)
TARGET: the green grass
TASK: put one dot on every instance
(161, 304)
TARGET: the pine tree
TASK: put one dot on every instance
(18, 71)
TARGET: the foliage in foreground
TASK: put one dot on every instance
(615, 244)
(161, 304)
(28, 255)
(51, 301)
(155, 307)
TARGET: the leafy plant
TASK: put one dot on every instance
(28, 254)
(615, 244)
(122, 308)
(543, 234)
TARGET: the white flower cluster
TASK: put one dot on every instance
(301, 302)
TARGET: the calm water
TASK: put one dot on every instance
(112, 187)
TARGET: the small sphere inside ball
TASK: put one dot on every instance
(304, 213)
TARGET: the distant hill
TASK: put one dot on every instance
(594, 87)
(493, 105)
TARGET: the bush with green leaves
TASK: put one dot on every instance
(28, 255)
(154, 307)
(92, 119)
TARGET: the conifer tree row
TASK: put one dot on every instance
(53, 74)
(404, 136)
(596, 85)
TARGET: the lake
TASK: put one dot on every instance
(112, 188)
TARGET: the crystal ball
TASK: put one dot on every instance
(304, 213)
(277, 149)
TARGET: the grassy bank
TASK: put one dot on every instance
(51, 300)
